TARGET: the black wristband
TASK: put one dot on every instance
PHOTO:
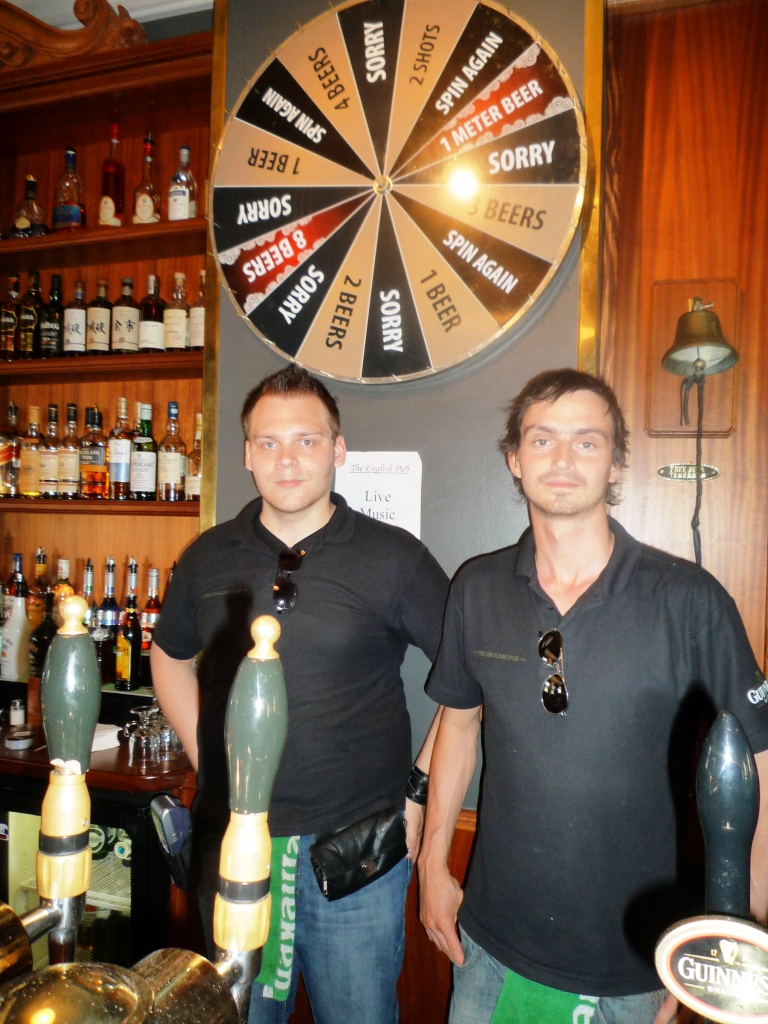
(416, 790)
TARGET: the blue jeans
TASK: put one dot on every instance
(350, 952)
(478, 981)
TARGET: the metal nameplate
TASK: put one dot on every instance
(686, 472)
(718, 967)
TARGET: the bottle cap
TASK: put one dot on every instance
(146, 412)
(153, 281)
(198, 419)
(14, 282)
(149, 145)
(184, 154)
(265, 631)
(102, 285)
(71, 412)
(128, 283)
(173, 410)
(154, 577)
(179, 278)
(53, 413)
(33, 277)
(114, 132)
(17, 558)
(88, 416)
(96, 418)
(40, 556)
(202, 276)
(63, 568)
(70, 157)
(79, 289)
(31, 180)
(56, 282)
(33, 414)
(122, 407)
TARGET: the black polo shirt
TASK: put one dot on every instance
(575, 871)
(366, 590)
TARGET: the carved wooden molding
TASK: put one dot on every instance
(26, 41)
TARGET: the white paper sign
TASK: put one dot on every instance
(383, 485)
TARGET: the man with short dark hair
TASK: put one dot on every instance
(352, 593)
(579, 648)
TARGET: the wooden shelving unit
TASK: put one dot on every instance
(142, 366)
(163, 88)
(130, 243)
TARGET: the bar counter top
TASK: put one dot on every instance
(110, 769)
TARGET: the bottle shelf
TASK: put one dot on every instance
(101, 507)
(139, 366)
(97, 246)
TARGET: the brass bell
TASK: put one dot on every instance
(699, 344)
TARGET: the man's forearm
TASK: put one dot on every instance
(452, 766)
(178, 694)
(424, 760)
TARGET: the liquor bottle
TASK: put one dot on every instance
(144, 460)
(151, 326)
(182, 194)
(49, 456)
(10, 471)
(69, 197)
(30, 317)
(38, 588)
(197, 316)
(61, 588)
(69, 457)
(108, 618)
(9, 589)
(9, 320)
(29, 218)
(94, 481)
(41, 637)
(112, 184)
(194, 477)
(14, 659)
(171, 459)
(52, 322)
(149, 618)
(125, 320)
(128, 645)
(29, 471)
(6, 460)
(75, 320)
(91, 619)
(99, 321)
(120, 445)
(176, 316)
(146, 198)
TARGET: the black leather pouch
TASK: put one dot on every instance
(357, 855)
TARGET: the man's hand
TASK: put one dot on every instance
(441, 897)
(414, 826)
(667, 1011)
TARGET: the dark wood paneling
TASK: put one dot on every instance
(685, 199)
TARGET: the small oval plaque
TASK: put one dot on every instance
(718, 967)
(686, 471)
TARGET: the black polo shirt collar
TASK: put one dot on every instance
(614, 578)
(339, 529)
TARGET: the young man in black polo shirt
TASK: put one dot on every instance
(362, 592)
(578, 647)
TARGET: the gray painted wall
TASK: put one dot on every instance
(453, 419)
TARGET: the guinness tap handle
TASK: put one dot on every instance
(727, 793)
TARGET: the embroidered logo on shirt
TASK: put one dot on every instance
(501, 657)
(760, 695)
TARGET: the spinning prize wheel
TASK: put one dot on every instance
(397, 186)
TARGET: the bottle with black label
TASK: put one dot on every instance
(99, 321)
(69, 457)
(75, 320)
(49, 456)
(125, 321)
(144, 460)
(151, 318)
(108, 621)
(30, 317)
(9, 320)
(128, 646)
(52, 322)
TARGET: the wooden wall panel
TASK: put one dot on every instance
(686, 198)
